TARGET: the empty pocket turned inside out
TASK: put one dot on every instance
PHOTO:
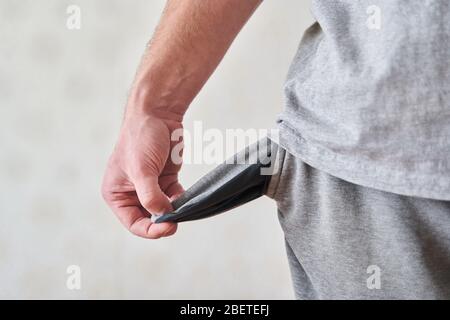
(241, 179)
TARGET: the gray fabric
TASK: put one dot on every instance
(241, 179)
(371, 106)
(335, 230)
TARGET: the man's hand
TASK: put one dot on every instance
(141, 177)
(188, 44)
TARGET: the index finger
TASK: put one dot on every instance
(137, 221)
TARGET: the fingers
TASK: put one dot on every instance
(174, 190)
(136, 221)
(125, 204)
(150, 195)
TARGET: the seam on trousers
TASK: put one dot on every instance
(274, 182)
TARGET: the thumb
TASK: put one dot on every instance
(151, 196)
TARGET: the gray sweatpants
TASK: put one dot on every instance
(346, 241)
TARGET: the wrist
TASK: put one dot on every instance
(145, 101)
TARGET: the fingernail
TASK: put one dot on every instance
(155, 217)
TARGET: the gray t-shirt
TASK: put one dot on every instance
(367, 96)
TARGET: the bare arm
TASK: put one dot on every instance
(190, 41)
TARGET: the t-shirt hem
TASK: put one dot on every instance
(364, 173)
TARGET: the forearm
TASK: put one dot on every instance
(190, 41)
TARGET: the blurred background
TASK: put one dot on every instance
(62, 94)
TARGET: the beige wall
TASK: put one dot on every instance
(61, 98)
